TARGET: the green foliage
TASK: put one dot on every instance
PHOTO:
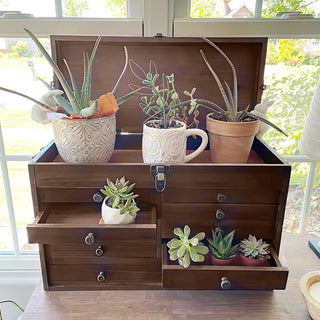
(220, 245)
(254, 249)
(187, 248)
(160, 101)
(120, 195)
(74, 8)
(272, 7)
(20, 47)
(290, 51)
(117, 7)
(13, 55)
(202, 9)
(1, 55)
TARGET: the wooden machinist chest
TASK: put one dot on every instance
(249, 198)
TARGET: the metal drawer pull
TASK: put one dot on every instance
(97, 197)
(225, 283)
(89, 239)
(221, 197)
(99, 251)
(220, 214)
(101, 276)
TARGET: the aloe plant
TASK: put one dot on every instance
(185, 248)
(78, 101)
(230, 97)
(120, 195)
(220, 245)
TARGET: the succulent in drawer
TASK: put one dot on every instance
(119, 194)
(185, 248)
(220, 245)
(255, 249)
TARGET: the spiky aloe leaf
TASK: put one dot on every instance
(64, 104)
(87, 112)
(86, 85)
(123, 71)
(56, 70)
(73, 82)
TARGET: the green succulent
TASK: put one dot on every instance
(187, 248)
(255, 249)
(221, 245)
(121, 196)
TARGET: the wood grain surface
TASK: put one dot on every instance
(185, 304)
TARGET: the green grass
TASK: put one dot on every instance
(18, 119)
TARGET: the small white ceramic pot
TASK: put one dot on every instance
(169, 145)
(113, 216)
(85, 141)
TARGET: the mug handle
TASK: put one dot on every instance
(204, 142)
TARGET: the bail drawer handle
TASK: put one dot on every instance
(101, 276)
(221, 197)
(89, 239)
(220, 214)
(99, 251)
(225, 283)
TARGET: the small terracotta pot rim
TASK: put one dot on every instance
(229, 122)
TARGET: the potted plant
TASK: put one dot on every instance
(166, 129)
(231, 132)
(119, 206)
(222, 252)
(254, 252)
(185, 249)
(84, 130)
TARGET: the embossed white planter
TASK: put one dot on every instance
(113, 216)
(169, 145)
(85, 141)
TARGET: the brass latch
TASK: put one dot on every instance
(159, 174)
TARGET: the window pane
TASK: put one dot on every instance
(34, 7)
(5, 230)
(313, 221)
(272, 7)
(22, 202)
(291, 75)
(222, 9)
(20, 67)
(94, 9)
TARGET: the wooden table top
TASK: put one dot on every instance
(185, 305)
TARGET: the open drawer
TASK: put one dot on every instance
(201, 276)
(78, 223)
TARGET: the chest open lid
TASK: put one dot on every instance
(180, 56)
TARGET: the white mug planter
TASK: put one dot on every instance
(113, 216)
(168, 145)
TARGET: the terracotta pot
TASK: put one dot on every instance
(230, 142)
(113, 216)
(85, 141)
(219, 262)
(245, 261)
(169, 145)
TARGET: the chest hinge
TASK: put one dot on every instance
(159, 174)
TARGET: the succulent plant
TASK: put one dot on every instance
(187, 248)
(78, 101)
(119, 195)
(220, 245)
(161, 101)
(231, 97)
(254, 249)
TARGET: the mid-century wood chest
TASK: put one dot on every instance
(78, 253)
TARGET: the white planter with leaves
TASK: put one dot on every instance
(113, 216)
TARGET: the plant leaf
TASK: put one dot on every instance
(87, 112)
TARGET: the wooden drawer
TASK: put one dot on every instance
(220, 195)
(71, 223)
(210, 277)
(245, 218)
(121, 271)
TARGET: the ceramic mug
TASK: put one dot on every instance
(168, 145)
